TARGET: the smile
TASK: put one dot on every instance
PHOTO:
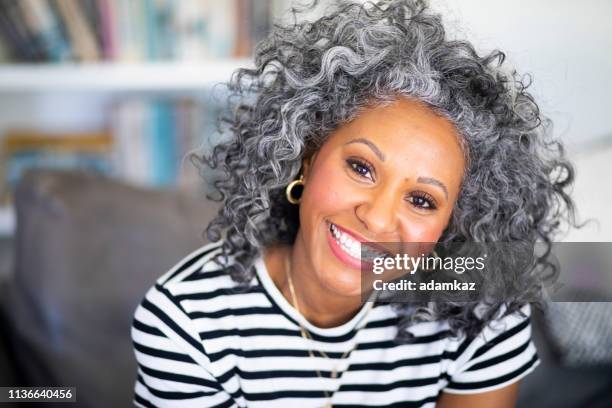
(349, 245)
(348, 249)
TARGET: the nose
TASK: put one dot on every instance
(378, 213)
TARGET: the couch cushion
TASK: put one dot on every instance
(87, 249)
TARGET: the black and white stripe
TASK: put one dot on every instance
(200, 343)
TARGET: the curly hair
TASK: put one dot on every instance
(312, 76)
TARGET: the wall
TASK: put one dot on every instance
(567, 47)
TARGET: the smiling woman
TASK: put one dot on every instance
(377, 178)
(395, 134)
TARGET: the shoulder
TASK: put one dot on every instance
(197, 282)
(201, 260)
(173, 361)
(177, 302)
(199, 278)
(193, 275)
(160, 321)
(502, 353)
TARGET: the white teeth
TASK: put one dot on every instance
(353, 247)
(348, 244)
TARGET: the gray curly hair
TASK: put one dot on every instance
(310, 77)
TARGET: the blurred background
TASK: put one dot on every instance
(117, 92)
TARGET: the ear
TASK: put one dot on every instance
(307, 164)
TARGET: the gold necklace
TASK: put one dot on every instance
(307, 336)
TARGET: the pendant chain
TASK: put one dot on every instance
(307, 336)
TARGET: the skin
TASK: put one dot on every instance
(380, 177)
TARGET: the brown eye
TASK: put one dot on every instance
(361, 168)
(422, 201)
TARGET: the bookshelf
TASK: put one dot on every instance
(171, 76)
(109, 78)
(143, 72)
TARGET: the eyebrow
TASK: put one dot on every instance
(371, 145)
(435, 182)
(381, 156)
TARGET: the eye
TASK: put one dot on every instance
(422, 200)
(361, 168)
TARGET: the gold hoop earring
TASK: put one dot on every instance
(289, 190)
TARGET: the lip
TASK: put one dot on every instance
(342, 256)
(356, 263)
(362, 240)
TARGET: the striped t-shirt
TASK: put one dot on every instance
(199, 343)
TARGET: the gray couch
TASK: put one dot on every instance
(86, 250)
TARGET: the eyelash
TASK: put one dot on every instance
(354, 164)
(424, 196)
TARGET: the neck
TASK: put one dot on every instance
(319, 305)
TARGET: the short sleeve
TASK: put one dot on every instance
(171, 361)
(502, 354)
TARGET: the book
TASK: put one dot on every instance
(221, 34)
(242, 43)
(132, 30)
(22, 46)
(43, 25)
(107, 13)
(95, 142)
(192, 22)
(131, 151)
(91, 13)
(22, 150)
(82, 39)
(162, 143)
(21, 161)
(129, 27)
(152, 28)
(155, 138)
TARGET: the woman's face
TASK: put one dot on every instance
(392, 174)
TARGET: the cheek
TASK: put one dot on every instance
(326, 191)
(422, 230)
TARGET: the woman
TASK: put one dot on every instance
(394, 134)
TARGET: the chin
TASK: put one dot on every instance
(341, 285)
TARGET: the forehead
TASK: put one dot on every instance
(409, 134)
(407, 119)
